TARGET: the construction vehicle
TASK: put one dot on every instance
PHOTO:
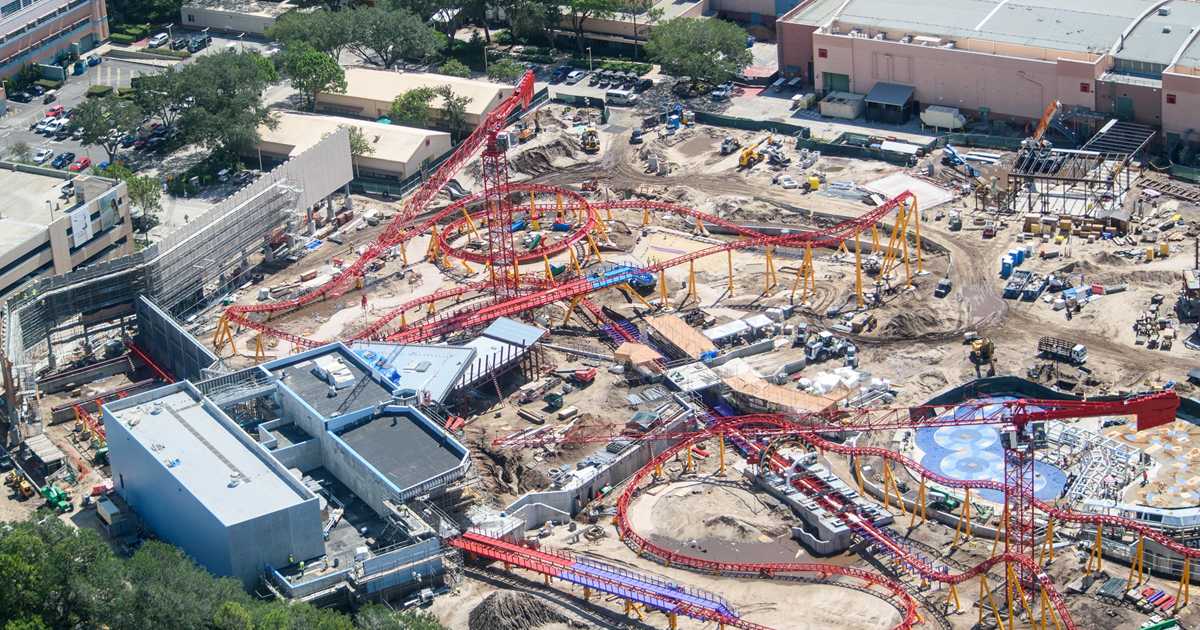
(751, 155)
(989, 230)
(57, 498)
(983, 352)
(951, 158)
(525, 133)
(554, 402)
(943, 288)
(533, 391)
(729, 145)
(1063, 350)
(939, 499)
(1037, 139)
(590, 140)
(775, 156)
(955, 222)
(824, 346)
(585, 376)
(591, 185)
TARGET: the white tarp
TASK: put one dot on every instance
(81, 226)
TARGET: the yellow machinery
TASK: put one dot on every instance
(983, 352)
(751, 155)
(590, 140)
(526, 134)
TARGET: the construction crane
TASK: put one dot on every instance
(751, 155)
(1043, 124)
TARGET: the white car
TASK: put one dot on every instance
(45, 122)
(787, 181)
(158, 40)
(54, 126)
(42, 155)
(575, 77)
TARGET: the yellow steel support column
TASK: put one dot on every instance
(658, 470)
(260, 354)
(467, 267)
(919, 506)
(595, 249)
(470, 222)
(874, 239)
(1015, 588)
(672, 621)
(689, 463)
(1001, 526)
(1185, 584)
(985, 592)
(952, 596)
(858, 474)
(858, 279)
(574, 260)
(549, 271)
(571, 309)
(516, 272)
(889, 486)
(404, 253)
(558, 207)
(1047, 553)
(431, 253)
(546, 578)
(645, 217)
(432, 307)
(1136, 570)
(224, 335)
(729, 266)
(534, 224)
(587, 593)
(628, 290)
(721, 455)
(403, 319)
(964, 519)
(1097, 554)
(692, 295)
(904, 250)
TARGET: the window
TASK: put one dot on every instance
(823, 53)
(1170, 99)
(191, 18)
(1085, 87)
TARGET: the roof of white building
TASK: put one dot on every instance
(385, 85)
(390, 142)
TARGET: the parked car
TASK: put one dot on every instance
(63, 160)
(575, 77)
(155, 142)
(786, 181)
(179, 43)
(643, 85)
(199, 42)
(77, 133)
(37, 90)
(127, 140)
(56, 111)
(42, 155)
(54, 126)
(20, 97)
(63, 132)
(560, 73)
(223, 175)
(80, 164)
(244, 177)
(158, 40)
(49, 97)
(40, 126)
(94, 60)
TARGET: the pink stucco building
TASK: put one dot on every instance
(38, 31)
(1135, 59)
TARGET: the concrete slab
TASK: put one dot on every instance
(928, 195)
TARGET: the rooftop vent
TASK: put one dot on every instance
(1164, 10)
(1167, 29)
(234, 479)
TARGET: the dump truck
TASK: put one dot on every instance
(943, 288)
(1063, 350)
(983, 352)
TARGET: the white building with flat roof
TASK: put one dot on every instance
(396, 151)
(370, 92)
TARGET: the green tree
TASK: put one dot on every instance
(706, 50)
(20, 151)
(143, 11)
(103, 121)
(233, 616)
(328, 31)
(311, 71)
(505, 70)
(383, 38)
(145, 194)
(412, 107)
(225, 90)
(360, 144)
(162, 95)
(454, 68)
(642, 11)
(379, 617)
(27, 623)
(455, 108)
(580, 11)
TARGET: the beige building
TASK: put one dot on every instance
(232, 16)
(43, 232)
(369, 94)
(397, 151)
(753, 394)
(1134, 59)
(677, 338)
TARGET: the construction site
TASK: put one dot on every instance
(622, 367)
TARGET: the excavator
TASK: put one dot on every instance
(590, 140)
(751, 155)
(983, 352)
(1036, 140)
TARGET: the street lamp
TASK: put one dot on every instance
(589, 58)
(485, 57)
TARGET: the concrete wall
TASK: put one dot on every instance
(795, 48)
(176, 351)
(1012, 81)
(1147, 100)
(1183, 84)
(81, 21)
(363, 479)
(271, 539)
(304, 455)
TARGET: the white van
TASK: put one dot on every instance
(620, 97)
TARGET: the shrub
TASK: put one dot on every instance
(97, 91)
(121, 38)
(136, 32)
(454, 68)
(181, 54)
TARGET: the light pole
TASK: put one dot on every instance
(589, 58)
(241, 45)
(485, 58)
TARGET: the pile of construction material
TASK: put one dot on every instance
(510, 610)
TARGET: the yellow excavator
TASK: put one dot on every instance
(751, 155)
(983, 352)
(590, 140)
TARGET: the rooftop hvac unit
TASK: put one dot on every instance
(907, 39)
(878, 36)
(926, 40)
(1167, 28)
(1164, 10)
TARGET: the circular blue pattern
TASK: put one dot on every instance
(974, 453)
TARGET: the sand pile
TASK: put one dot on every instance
(732, 515)
(547, 158)
(912, 324)
(509, 610)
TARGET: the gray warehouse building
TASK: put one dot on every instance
(201, 483)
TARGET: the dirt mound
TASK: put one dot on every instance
(547, 158)
(912, 324)
(510, 610)
(1108, 259)
(735, 516)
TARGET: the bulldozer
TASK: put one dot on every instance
(983, 352)
(590, 140)
(729, 145)
(751, 155)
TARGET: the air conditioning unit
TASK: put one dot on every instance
(1164, 10)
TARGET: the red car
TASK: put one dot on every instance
(80, 164)
(55, 112)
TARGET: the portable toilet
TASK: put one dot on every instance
(1018, 255)
(1006, 266)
